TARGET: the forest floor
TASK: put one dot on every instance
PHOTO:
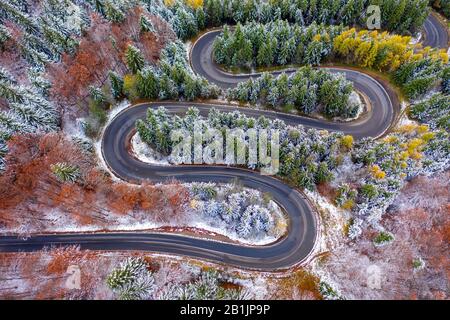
(356, 270)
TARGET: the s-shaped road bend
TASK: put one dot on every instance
(291, 250)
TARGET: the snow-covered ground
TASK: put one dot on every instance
(416, 39)
(354, 99)
(144, 153)
(332, 221)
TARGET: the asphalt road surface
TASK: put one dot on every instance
(435, 33)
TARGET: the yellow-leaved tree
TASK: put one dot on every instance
(194, 3)
(381, 51)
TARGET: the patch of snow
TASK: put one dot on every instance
(188, 45)
(404, 121)
(416, 39)
(116, 110)
(256, 287)
(75, 128)
(332, 221)
(346, 172)
(233, 235)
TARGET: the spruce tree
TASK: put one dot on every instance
(116, 83)
(65, 172)
(135, 59)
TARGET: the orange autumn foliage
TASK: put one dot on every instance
(28, 188)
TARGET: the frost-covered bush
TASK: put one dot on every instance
(307, 90)
(132, 280)
(242, 212)
(418, 263)
(206, 287)
(383, 238)
(204, 191)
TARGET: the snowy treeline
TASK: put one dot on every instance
(368, 174)
(132, 280)
(29, 111)
(207, 286)
(240, 211)
(187, 20)
(44, 37)
(307, 90)
(415, 69)
(275, 43)
(171, 78)
(418, 76)
(307, 156)
(114, 11)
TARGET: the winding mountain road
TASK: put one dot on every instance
(435, 33)
(301, 237)
(383, 101)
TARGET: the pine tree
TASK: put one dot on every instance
(4, 37)
(97, 95)
(65, 172)
(112, 13)
(116, 83)
(134, 58)
(146, 25)
(132, 280)
(148, 83)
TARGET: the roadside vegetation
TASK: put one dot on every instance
(415, 70)
(133, 281)
(306, 91)
(375, 169)
(442, 6)
(188, 20)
